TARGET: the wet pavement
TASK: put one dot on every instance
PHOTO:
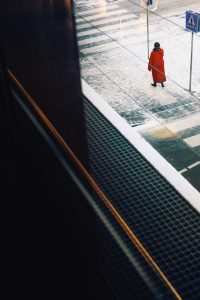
(113, 60)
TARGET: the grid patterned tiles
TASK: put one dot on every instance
(165, 223)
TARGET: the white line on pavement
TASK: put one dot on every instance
(117, 26)
(93, 40)
(189, 167)
(83, 26)
(96, 10)
(79, 20)
(194, 165)
(99, 48)
(106, 14)
(107, 21)
(87, 32)
(186, 123)
(193, 141)
(183, 171)
(114, 19)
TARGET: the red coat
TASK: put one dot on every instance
(156, 65)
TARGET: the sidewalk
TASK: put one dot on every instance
(127, 88)
(113, 58)
(168, 118)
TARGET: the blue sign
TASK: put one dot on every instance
(149, 2)
(192, 21)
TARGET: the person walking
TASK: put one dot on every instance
(156, 65)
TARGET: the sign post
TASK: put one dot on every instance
(192, 24)
(149, 2)
(191, 57)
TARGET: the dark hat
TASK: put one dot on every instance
(157, 45)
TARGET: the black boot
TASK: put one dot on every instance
(154, 84)
(162, 84)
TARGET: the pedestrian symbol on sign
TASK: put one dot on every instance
(191, 22)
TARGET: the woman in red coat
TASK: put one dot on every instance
(156, 65)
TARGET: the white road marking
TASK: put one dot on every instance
(93, 40)
(194, 165)
(96, 10)
(186, 123)
(189, 167)
(183, 171)
(106, 28)
(87, 32)
(99, 48)
(114, 19)
(106, 14)
(107, 21)
(193, 141)
(79, 20)
(117, 26)
(82, 26)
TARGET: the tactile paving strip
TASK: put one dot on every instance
(165, 223)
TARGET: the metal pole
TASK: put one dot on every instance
(191, 62)
(148, 31)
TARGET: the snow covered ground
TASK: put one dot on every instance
(112, 39)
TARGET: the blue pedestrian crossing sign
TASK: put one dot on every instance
(192, 21)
